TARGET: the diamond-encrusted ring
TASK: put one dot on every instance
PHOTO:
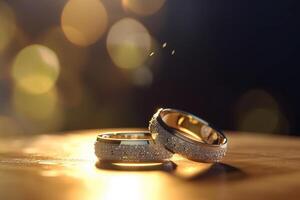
(188, 135)
(129, 146)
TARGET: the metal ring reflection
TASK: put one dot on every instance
(129, 146)
(188, 135)
(132, 137)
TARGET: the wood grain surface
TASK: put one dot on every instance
(63, 166)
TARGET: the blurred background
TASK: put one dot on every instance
(79, 64)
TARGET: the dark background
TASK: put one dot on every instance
(224, 50)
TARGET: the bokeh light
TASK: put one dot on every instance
(128, 43)
(39, 112)
(142, 7)
(84, 21)
(36, 69)
(258, 111)
(7, 25)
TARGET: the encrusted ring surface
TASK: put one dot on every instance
(129, 146)
(188, 135)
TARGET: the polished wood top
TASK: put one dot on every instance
(63, 166)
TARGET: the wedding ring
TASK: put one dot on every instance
(188, 135)
(129, 146)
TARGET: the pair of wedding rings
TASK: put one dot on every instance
(170, 131)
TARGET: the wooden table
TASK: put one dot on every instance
(63, 166)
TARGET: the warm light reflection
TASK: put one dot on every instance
(129, 187)
(68, 161)
(258, 111)
(50, 173)
(36, 69)
(7, 25)
(75, 162)
(102, 184)
(84, 21)
(142, 7)
(128, 43)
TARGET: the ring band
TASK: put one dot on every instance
(129, 146)
(188, 135)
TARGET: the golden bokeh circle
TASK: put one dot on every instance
(36, 69)
(128, 43)
(84, 21)
(258, 111)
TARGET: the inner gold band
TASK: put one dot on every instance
(134, 138)
(190, 127)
